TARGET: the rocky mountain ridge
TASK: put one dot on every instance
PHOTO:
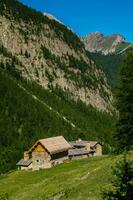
(97, 42)
(41, 49)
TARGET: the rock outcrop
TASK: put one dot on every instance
(97, 42)
(43, 50)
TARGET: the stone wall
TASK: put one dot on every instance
(59, 158)
(40, 160)
(26, 168)
(78, 157)
(59, 161)
(98, 150)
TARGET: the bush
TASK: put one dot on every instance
(122, 185)
(4, 196)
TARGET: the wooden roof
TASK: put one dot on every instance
(53, 145)
(83, 143)
(94, 143)
(24, 163)
(78, 152)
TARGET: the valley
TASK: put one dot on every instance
(58, 88)
(50, 85)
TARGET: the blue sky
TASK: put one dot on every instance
(86, 16)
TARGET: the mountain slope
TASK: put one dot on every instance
(28, 112)
(110, 64)
(50, 54)
(49, 85)
(24, 119)
(98, 43)
(52, 17)
(83, 179)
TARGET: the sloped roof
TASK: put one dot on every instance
(78, 152)
(24, 163)
(83, 143)
(93, 143)
(77, 144)
(54, 144)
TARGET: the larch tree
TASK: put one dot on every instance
(122, 184)
(124, 133)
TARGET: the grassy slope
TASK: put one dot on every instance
(80, 180)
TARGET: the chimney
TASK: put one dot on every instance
(26, 155)
(88, 147)
(79, 140)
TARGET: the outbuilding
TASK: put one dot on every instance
(82, 148)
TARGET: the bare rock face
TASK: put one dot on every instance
(44, 50)
(97, 42)
(118, 39)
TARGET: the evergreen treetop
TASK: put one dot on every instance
(124, 136)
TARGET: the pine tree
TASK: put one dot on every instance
(123, 182)
(124, 135)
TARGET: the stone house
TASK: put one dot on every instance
(82, 149)
(45, 153)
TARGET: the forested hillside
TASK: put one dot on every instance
(23, 120)
(28, 112)
(110, 64)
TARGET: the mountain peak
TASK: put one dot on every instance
(97, 33)
(98, 42)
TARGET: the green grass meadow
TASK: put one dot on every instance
(76, 180)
